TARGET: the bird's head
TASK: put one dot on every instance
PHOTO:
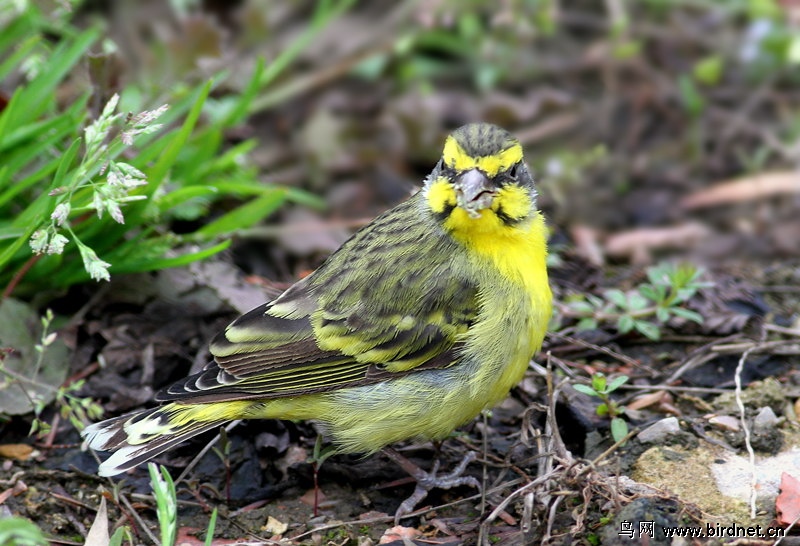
(481, 179)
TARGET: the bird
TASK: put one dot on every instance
(422, 319)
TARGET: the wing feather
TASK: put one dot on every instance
(370, 312)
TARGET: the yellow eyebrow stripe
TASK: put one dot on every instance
(455, 157)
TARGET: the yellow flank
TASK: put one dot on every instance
(182, 414)
(455, 157)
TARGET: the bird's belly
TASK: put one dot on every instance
(424, 405)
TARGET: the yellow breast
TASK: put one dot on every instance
(510, 261)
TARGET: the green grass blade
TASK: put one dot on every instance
(20, 53)
(182, 195)
(243, 216)
(157, 174)
(239, 112)
(10, 233)
(39, 95)
(326, 11)
(212, 524)
(302, 197)
(172, 261)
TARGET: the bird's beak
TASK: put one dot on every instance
(474, 192)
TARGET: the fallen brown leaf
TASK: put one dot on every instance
(637, 244)
(587, 243)
(312, 498)
(98, 533)
(18, 488)
(662, 399)
(399, 532)
(21, 452)
(274, 526)
(749, 188)
(787, 504)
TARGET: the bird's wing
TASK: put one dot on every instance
(367, 314)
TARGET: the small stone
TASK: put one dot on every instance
(658, 431)
(765, 420)
(725, 422)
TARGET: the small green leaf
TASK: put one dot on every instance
(662, 314)
(648, 329)
(625, 324)
(154, 264)
(602, 410)
(599, 382)
(182, 195)
(659, 274)
(627, 49)
(637, 302)
(15, 530)
(595, 301)
(687, 314)
(157, 173)
(708, 71)
(583, 307)
(617, 297)
(585, 389)
(212, 523)
(619, 429)
(616, 383)
(587, 323)
(119, 534)
(685, 294)
(650, 292)
(166, 502)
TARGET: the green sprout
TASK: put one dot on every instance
(647, 307)
(602, 388)
(166, 503)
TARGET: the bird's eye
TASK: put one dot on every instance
(512, 172)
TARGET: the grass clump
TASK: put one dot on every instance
(84, 197)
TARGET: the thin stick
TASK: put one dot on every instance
(751, 453)
(203, 451)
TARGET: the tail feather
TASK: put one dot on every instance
(137, 437)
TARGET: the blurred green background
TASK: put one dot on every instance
(329, 112)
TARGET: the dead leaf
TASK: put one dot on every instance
(303, 233)
(637, 244)
(647, 400)
(373, 514)
(787, 504)
(399, 532)
(312, 498)
(18, 488)
(587, 243)
(725, 422)
(223, 283)
(274, 526)
(20, 452)
(20, 331)
(294, 455)
(744, 190)
(98, 533)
